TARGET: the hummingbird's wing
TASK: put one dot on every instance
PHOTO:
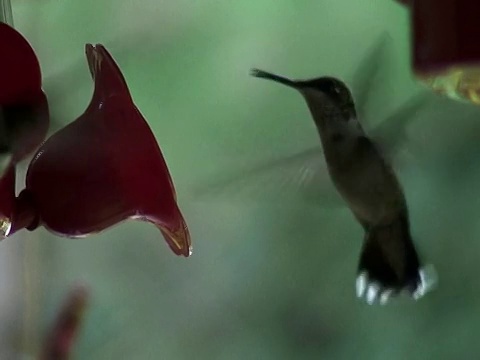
(366, 72)
(390, 135)
(302, 176)
(6, 12)
(455, 147)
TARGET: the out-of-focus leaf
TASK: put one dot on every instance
(61, 339)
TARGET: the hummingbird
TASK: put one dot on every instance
(303, 175)
(366, 182)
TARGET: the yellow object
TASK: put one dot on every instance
(458, 83)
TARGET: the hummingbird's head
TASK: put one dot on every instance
(327, 97)
(328, 89)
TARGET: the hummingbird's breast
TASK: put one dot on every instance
(357, 169)
(366, 182)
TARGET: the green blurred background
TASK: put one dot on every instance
(266, 281)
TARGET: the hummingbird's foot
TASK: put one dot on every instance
(375, 292)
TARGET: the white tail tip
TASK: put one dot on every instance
(373, 292)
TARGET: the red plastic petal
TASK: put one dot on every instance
(25, 120)
(105, 167)
(21, 78)
(22, 100)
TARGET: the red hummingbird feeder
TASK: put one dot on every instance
(445, 47)
(103, 168)
(20, 94)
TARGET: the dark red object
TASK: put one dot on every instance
(24, 117)
(23, 105)
(445, 33)
(103, 168)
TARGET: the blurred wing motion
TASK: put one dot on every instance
(6, 12)
(455, 147)
(366, 73)
(61, 339)
(304, 176)
(390, 135)
(301, 176)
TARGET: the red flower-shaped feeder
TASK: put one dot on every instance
(24, 117)
(23, 105)
(103, 168)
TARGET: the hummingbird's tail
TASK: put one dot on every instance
(389, 264)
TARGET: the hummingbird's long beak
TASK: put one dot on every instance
(269, 76)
